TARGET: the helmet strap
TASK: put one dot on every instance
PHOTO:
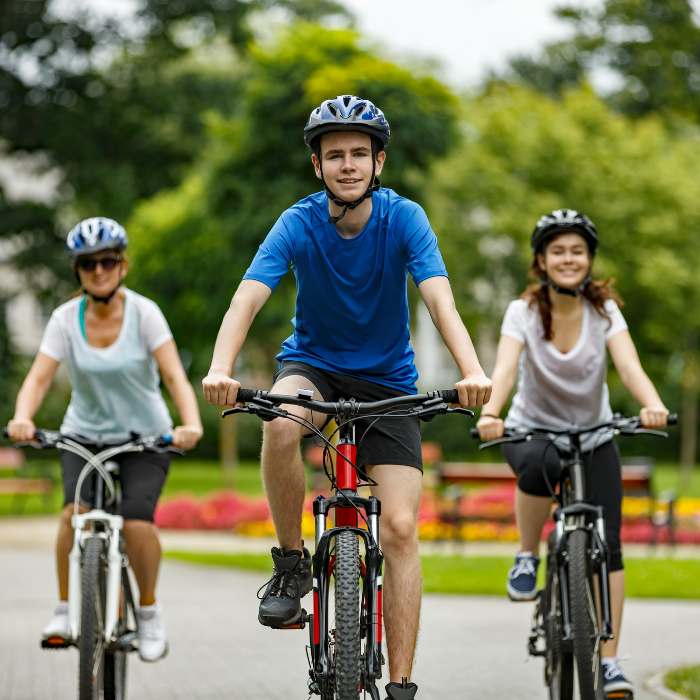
(103, 300)
(374, 186)
(569, 292)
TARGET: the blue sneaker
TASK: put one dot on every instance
(614, 682)
(522, 578)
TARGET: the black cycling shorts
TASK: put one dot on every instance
(391, 440)
(603, 480)
(141, 476)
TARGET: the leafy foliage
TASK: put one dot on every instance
(653, 48)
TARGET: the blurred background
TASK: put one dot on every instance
(182, 119)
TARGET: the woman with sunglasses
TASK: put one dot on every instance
(117, 346)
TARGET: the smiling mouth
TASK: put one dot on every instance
(349, 182)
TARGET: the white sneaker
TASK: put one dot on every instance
(152, 643)
(58, 627)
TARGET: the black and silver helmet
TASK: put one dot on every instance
(564, 221)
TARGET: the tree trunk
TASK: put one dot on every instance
(228, 449)
(689, 382)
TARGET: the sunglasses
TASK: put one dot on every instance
(90, 264)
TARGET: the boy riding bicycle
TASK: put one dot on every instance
(351, 248)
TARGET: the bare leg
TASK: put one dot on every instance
(143, 550)
(64, 544)
(282, 469)
(531, 513)
(617, 603)
(399, 490)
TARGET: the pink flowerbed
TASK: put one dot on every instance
(485, 514)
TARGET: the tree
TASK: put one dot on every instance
(192, 244)
(524, 155)
(652, 47)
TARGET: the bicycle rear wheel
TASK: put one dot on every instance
(347, 616)
(584, 618)
(91, 645)
(559, 664)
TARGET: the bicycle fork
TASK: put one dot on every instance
(599, 558)
(113, 525)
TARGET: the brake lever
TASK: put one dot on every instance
(231, 411)
(462, 411)
(500, 441)
(648, 431)
(266, 413)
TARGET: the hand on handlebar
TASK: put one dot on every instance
(474, 390)
(186, 437)
(654, 417)
(221, 390)
(21, 430)
(490, 428)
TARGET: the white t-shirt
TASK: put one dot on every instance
(556, 388)
(115, 390)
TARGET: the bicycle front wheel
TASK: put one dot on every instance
(584, 618)
(91, 646)
(347, 616)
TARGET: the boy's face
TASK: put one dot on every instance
(346, 157)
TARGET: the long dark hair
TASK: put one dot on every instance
(537, 294)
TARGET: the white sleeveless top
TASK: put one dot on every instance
(557, 388)
(115, 390)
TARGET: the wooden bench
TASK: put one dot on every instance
(636, 480)
(21, 486)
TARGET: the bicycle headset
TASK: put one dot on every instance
(565, 221)
(348, 113)
(92, 236)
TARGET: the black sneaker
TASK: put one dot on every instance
(291, 580)
(401, 691)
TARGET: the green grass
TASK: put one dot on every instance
(685, 681)
(646, 578)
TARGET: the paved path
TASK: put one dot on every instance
(470, 647)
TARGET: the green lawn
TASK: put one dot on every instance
(646, 578)
(685, 681)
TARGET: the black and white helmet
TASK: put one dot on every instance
(564, 221)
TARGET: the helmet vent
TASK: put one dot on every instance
(359, 110)
(346, 100)
(332, 109)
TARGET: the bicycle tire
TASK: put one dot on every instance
(559, 664)
(347, 616)
(584, 618)
(91, 640)
(115, 662)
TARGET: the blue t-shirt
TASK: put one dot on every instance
(352, 306)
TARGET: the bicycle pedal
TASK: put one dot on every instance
(55, 643)
(300, 624)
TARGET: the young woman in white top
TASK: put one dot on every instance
(117, 345)
(556, 335)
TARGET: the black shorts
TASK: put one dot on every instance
(141, 476)
(391, 440)
(603, 480)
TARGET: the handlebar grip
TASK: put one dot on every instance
(449, 395)
(672, 419)
(5, 432)
(475, 433)
(246, 395)
(167, 439)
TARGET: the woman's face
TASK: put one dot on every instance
(566, 260)
(109, 270)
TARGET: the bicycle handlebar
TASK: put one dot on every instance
(433, 401)
(49, 439)
(625, 426)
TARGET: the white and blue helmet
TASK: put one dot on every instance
(94, 235)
